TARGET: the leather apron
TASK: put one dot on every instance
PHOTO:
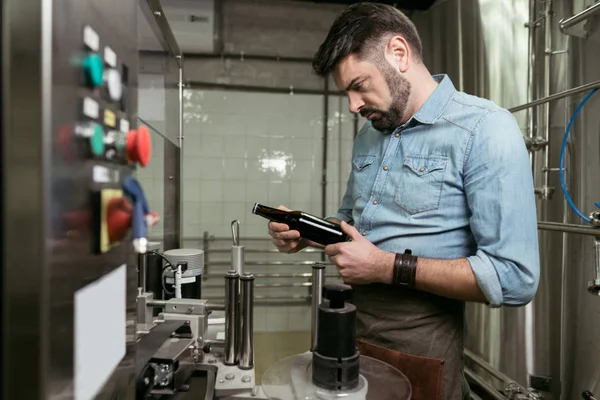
(419, 333)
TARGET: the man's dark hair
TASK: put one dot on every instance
(359, 30)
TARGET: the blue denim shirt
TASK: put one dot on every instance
(453, 182)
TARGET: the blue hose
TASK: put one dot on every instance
(562, 157)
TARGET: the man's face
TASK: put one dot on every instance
(378, 92)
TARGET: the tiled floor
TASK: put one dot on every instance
(270, 347)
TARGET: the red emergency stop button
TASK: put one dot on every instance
(139, 146)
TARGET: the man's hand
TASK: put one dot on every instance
(286, 240)
(360, 261)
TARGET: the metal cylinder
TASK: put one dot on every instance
(237, 259)
(232, 296)
(142, 270)
(247, 303)
(318, 279)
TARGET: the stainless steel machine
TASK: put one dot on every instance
(180, 354)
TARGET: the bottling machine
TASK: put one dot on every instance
(180, 354)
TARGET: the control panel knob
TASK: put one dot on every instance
(139, 146)
(114, 86)
(93, 67)
(95, 134)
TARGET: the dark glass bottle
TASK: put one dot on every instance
(310, 227)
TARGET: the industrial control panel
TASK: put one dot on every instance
(76, 214)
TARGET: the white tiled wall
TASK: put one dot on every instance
(241, 148)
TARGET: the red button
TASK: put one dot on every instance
(139, 146)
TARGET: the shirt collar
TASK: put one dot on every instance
(436, 104)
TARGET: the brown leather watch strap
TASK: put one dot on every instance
(405, 269)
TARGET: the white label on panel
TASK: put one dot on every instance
(110, 57)
(124, 126)
(105, 175)
(91, 109)
(99, 332)
(91, 38)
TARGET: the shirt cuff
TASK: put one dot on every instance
(487, 278)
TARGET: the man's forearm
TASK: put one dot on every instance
(448, 278)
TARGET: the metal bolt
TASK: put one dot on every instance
(229, 377)
(221, 381)
(246, 378)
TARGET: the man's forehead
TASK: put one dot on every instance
(349, 70)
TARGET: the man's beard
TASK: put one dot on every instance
(400, 88)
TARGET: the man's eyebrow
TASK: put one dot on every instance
(352, 83)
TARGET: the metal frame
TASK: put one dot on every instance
(566, 24)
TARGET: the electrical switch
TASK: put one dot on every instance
(95, 134)
(93, 67)
(139, 146)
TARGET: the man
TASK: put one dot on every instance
(436, 171)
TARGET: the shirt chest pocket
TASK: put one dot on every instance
(361, 169)
(420, 183)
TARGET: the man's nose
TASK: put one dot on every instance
(355, 103)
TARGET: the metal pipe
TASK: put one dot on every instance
(247, 296)
(237, 251)
(290, 263)
(142, 271)
(324, 155)
(594, 285)
(531, 83)
(569, 228)
(567, 23)
(488, 368)
(299, 275)
(180, 137)
(157, 303)
(215, 307)
(494, 394)
(258, 89)
(546, 191)
(557, 96)
(232, 279)
(268, 285)
(318, 279)
(259, 250)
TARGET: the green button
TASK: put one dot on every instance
(97, 140)
(94, 69)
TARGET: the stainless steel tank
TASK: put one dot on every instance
(488, 47)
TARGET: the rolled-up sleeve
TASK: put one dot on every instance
(500, 194)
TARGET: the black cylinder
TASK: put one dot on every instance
(336, 358)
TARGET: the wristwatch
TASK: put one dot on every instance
(405, 269)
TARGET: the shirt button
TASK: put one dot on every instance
(364, 233)
(397, 135)
(375, 202)
(421, 169)
(386, 168)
